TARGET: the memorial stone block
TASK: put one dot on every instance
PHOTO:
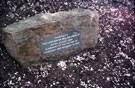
(51, 36)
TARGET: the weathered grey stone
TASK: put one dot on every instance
(23, 39)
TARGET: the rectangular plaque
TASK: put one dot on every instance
(60, 42)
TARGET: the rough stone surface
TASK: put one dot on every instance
(22, 39)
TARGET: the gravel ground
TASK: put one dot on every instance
(111, 64)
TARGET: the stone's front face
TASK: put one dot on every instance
(51, 36)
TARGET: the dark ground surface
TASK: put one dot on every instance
(111, 64)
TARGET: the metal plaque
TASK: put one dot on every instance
(60, 42)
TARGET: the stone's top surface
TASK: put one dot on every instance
(40, 19)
